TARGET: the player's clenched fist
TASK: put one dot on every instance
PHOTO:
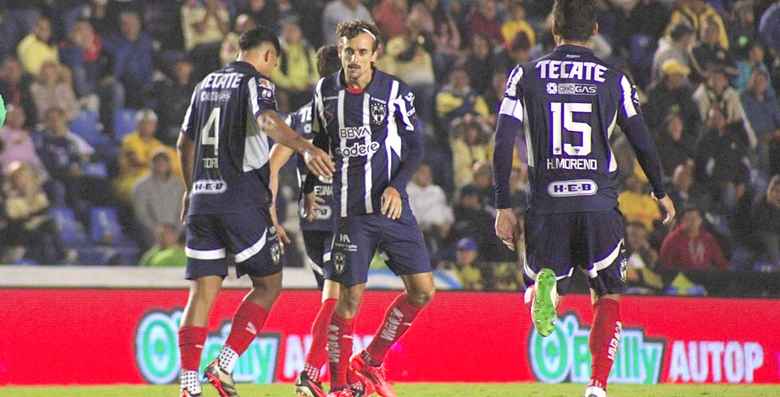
(318, 161)
(391, 203)
(506, 224)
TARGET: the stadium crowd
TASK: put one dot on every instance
(96, 91)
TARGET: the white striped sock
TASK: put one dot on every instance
(227, 359)
(189, 381)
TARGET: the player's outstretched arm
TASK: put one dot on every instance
(186, 150)
(280, 155)
(316, 159)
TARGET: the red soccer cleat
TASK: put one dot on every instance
(374, 376)
(345, 392)
(305, 386)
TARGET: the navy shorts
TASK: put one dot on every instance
(359, 236)
(248, 237)
(590, 241)
(317, 242)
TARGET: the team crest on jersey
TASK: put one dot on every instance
(339, 261)
(378, 113)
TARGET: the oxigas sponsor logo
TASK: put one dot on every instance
(565, 356)
(715, 361)
(157, 350)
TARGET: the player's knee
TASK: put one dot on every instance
(348, 307)
(421, 297)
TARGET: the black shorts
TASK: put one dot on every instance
(590, 241)
(316, 243)
(247, 237)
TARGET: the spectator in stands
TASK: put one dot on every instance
(297, 71)
(675, 147)
(517, 52)
(642, 261)
(672, 93)
(709, 54)
(471, 219)
(81, 53)
(29, 225)
(338, 11)
(15, 87)
(637, 206)
(445, 36)
(17, 143)
(470, 144)
(136, 154)
(157, 197)
(683, 192)
(696, 14)
(722, 163)
(132, 54)
(480, 63)
(763, 112)
(229, 50)
(495, 93)
(264, 12)
(429, 205)
(37, 48)
(390, 17)
(484, 21)
(765, 219)
(517, 24)
(691, 247)
(742, 29)
(204, 23)
(172, 97)
(483, 183)
(717, 93)
(457, 98)
(53, 88)
(469, 273)
(754, 60)
(168, 251)
(676, 46)
(769, 27)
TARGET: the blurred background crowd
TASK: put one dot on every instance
(96, 91)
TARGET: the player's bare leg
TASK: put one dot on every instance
(603, 342)
(544, 302)
(398, 319)
(247, 322)
(308, 383)
(193, 331)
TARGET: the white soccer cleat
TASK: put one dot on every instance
(593, 391)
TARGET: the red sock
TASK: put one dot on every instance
(191, 341)
(247, 321)
(604, 339)
(319, 330)
(339, 350)
(398, 319)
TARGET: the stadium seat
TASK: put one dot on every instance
(87, 126)
(70, 230)
(124, 123)
(104, 227)
(97, 169)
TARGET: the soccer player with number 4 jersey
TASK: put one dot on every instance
(567, 105)
(224, 149)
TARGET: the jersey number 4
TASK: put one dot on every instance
(209, 135)
(566, 112)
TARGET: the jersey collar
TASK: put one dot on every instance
(569, 48)
(358, 91)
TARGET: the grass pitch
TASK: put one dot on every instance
(415, 390)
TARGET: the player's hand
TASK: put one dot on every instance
(392, 205)
(281, 233)
(319, 162)
(185, 205)
(668, 206)
(506, 224)
(311, 203)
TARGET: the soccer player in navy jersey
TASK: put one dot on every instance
(317, 227)
(366, 118)
(567, 105)
(224, 157)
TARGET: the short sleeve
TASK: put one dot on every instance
(512, 103)
(628, 100)
(406, 112)
(188, 125)
(262, 95)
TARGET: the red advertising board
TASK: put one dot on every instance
(101, 336)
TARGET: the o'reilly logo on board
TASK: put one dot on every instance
(157, 351)
(565, 356)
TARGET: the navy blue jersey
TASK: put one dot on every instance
(567, 105)
(371, 136)
(231, 156)
(301, 121)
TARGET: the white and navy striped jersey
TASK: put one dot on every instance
(231, 156)
(371, 135)
(567, 105)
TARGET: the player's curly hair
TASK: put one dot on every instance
(574, 19)
(350, 29)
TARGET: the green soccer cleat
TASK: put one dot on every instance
(543, 308)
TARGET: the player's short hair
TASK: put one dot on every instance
(256, 36)
(350, 29)
(574, 19)
(328, 61)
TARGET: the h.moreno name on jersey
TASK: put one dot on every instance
(572, 164)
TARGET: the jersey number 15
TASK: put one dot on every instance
(566, 112)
